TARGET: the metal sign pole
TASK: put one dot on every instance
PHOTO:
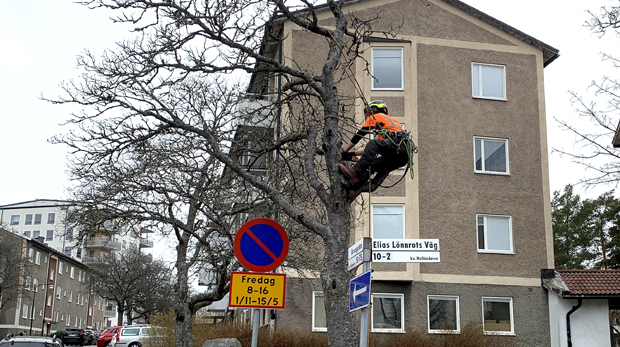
(364, 317)
(255, 325)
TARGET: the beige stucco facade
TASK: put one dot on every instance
(440, 41)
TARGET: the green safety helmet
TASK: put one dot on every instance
(377, 106)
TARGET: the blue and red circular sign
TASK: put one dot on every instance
(261, 245)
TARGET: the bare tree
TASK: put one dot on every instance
(13, 264)
(135, 283)
(599, 138)
(172, 86)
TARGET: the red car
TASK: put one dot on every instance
(106, 336)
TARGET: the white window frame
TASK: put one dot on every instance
(28, 284)
(25, 309)
(403, 236)
(51, 220)
(26, 221)
(507, 154)
(58, 292)
(14, 219)
(486, 239)
(314, 295)
(60, 268)
(478, 94)
(512, 318)
(56, 316)
(72, 275)
(30, 255)
(40, 215)
(35, 285)
(37, 258)
(47, 235)
(428, 314)
(68, 320)
(402, 66)
(70, 299)
(402, 312)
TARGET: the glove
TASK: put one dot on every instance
(347, 155)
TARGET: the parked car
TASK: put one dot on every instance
(91, 339)
(105, 337)
(30, 341)
(74, 336)
(132, 335)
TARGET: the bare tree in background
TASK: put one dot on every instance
(174, 86)
(601, 109)
(13, 264)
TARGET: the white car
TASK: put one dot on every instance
(132, 335)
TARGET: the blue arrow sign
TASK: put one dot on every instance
(359, 295)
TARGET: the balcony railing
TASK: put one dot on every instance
(146, 243)
(99, 242)
(94, 260)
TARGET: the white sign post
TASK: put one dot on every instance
(356, 256)
(405, 251)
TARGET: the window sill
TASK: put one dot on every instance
(482, 251)
(499, 333)
(388, 89)
(492, 173)
(444, 332)
(319, 330)
(392, 331)
(489, 98)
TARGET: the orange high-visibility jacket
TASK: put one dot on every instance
(377, 121)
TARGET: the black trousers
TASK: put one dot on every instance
(383, 156)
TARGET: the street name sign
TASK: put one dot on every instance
(257, 290)
(405, 251)
(356, 254)
(359, 293)
(261, 245)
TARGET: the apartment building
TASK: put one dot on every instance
(57, 293)
(47, 219)
(470, 89)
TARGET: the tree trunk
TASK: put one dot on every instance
(119, 312)
(182, 312)
(341, 328)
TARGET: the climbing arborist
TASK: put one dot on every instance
(384, 154)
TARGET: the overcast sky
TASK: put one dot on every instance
(40, 40)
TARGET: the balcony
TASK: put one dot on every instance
(94, 260)
(109, 313)
(146, 243)
(102, 242)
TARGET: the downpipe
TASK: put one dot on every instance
(575, 308)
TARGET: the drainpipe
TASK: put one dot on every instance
(575, 308)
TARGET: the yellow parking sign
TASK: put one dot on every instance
(257, 290)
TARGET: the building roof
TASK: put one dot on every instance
(582, 283)
(549, 53)
(37, 203)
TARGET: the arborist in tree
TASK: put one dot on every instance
(391, 149)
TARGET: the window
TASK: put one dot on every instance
(58, 292)
(51, 218)
(387, 313)
(69, 235)
(56, 316)
(60, 268)
(443, 314)
(35, 285)
(387, 68)
(30, 254)
(494, 234)
(68, 320)
(25, 311)
(488, 81)
(14, 219)
(252, 158)
(72, 272)
(319, 320)
(28, 220)
(27, 233)
(36, 234)
(28, 282)
(49, 235)
(52, 273)
(130, 331)
(67, 251)
(80, 276)
(388, 221)
(497, 316)
(37, 218)
(37, 258)
(70, 299)
(491, 156)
